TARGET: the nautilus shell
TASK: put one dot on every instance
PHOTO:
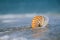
(39, 21)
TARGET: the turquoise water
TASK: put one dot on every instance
(29, 6)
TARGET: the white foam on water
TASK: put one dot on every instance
(20, 38)
(6, 37)
(9, 21)
(11, 16)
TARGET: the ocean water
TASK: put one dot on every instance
(17, 28)
(29, 6)
(16, 17)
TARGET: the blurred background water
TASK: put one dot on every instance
(16, 17)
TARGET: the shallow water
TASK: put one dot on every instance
(52, 32)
